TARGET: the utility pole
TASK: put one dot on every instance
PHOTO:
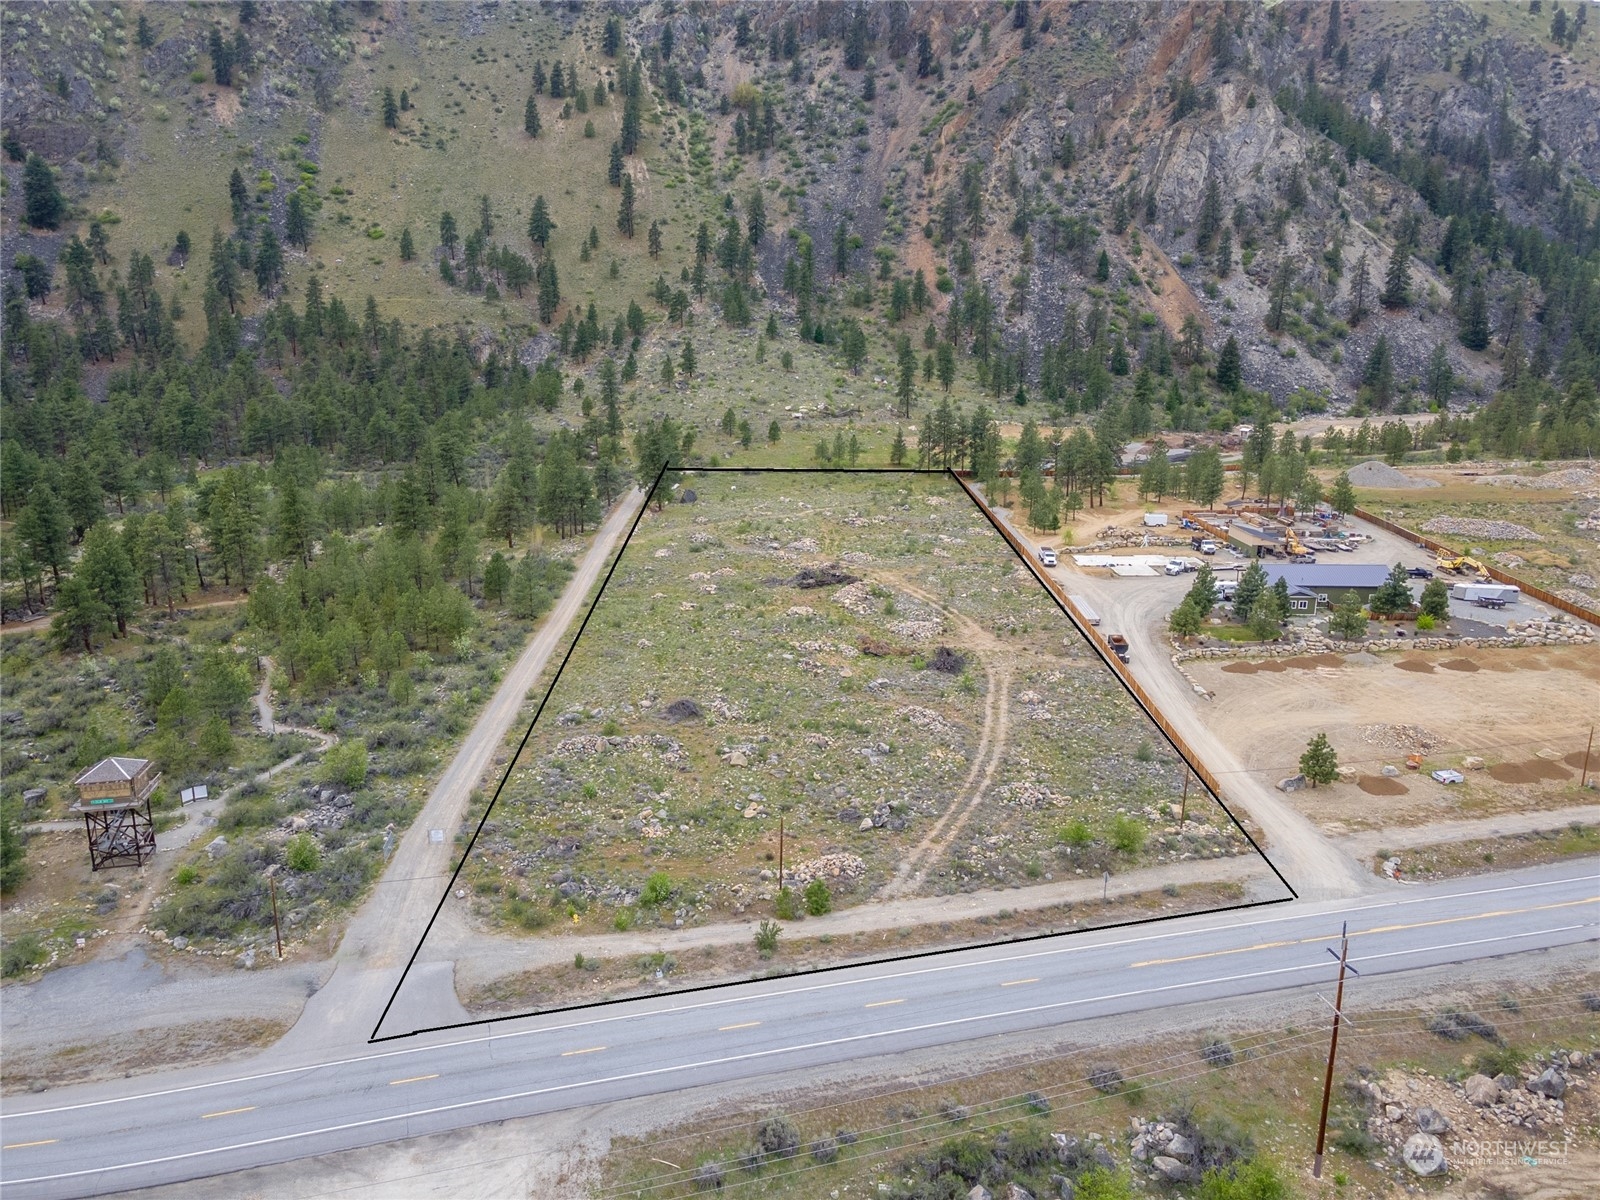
(780, 853)
(277, 930)
(1183, 812)
(1333, 1046)
(1584, 782)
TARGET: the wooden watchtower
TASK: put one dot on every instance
(114, 798)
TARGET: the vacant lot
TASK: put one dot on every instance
(857, 655)
(1525, 712)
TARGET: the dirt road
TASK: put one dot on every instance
(383, 934)
(996, 658)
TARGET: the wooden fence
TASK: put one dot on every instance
(1098, 641)
(1528, 589)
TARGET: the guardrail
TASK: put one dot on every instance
(1100, 644)
(1528, 589)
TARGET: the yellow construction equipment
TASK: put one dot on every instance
(1462, 563)
(1293, 545)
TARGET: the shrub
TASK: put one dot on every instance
(185, 875)
(1590, 1001)
(657, 889)
(767, 938)
(1217, 1053)
(825, 1149)
(1075, 833)
(301, 853)
(1502, 1060)
(345, 765)
(818, 898)
(1254, 1180)
(777, 1137)
(21, 953)
(1037, 1103)
(785, 906)
(708, 1177)
(1127, 834)
(1105, 1079)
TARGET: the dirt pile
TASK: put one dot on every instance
(1375, 474)
(1477, 527)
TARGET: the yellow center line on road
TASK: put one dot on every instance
(741, 1025)
(884, 1003)
(1504, 912)
(590, 1050)
(25, 1145)
(1019, 982)
(228, 1112)
(413, 1079)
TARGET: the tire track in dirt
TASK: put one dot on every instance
(998, 670)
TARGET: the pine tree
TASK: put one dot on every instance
(1319, 764)
(540, 226)
(42, 527)
(655, 239)
(269, 262)
(688, 362)
(1343, 495)
(1230, 366)
(43, 202)
(530, 117)
(625, 210)
(1360, 290)
(391, 109)
(106, 571)
(80, 614)
(297, 223)
(408, 249)
(614, 165)
(1252, 586)
(1397, 280)
(1474, 323)
(1441, 379)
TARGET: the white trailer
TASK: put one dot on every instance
(1473, 592)
(1086, 612)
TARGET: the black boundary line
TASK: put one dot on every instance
(511, 766)
(876, 962)
(1094, 644)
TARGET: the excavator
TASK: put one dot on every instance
(1462, 563)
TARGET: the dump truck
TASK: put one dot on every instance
(1119, 646)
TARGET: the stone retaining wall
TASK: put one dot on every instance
(1525, 633)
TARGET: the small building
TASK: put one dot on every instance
(1255, 541)
(114, 799)
(1314, 584)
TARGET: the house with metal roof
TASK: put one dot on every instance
(1314, 584)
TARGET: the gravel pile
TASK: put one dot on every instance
(1376, 474)
(1477, 527)
(1572, 477)
(1408, 738)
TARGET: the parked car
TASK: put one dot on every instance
(1047, 556)
(1420, 573)
(1449, 776)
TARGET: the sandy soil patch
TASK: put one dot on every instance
(1530, 700)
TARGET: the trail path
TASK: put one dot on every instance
(912, 872)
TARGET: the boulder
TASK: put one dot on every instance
(866, 824)
(1481, 1090)
(1431, 1120)
(217, 847)
(1551, 1084)
(1390, 770)
(737, 759)
(1172, 1170)
(979, 1192)
(1472, 763)
(1015, 1191)
(180, 943)
(1292, 784)
(1181, 1147)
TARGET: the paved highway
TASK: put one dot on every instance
(111, 1137)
